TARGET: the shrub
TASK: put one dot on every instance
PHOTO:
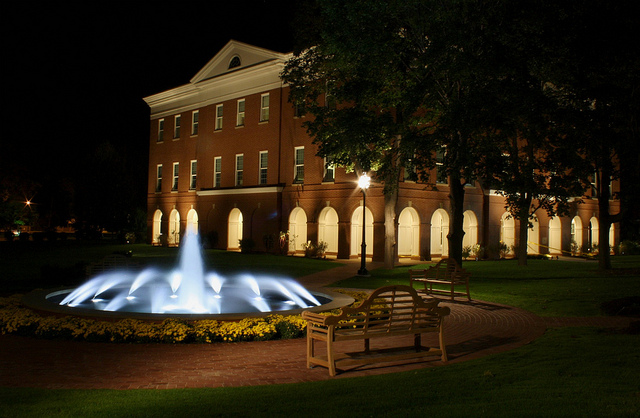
(312, 250)
(628, 247)
(247, 245)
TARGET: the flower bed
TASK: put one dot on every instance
(19, 320)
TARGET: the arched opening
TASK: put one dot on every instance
(576, 235)
(533, 237)
(555, 235)
(297, 229)
(470, 227)
(507, 230)
(439, 231)
(594, 230)
(156, 229)
(612, 235)
(409, 233)
(356, 231)
(234, 229)
(174, 228)
(328, 229)
(192, 222)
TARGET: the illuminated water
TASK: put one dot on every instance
(188, 289)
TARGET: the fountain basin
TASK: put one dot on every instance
(47, 301)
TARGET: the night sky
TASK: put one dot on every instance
(75, 77)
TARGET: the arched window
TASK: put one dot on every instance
(235, 62)
(439, 232)
(174, 228)
(297, 229)
(356, 231)
(409, 233)
(235, 229)
(328, 229)
(157, 227)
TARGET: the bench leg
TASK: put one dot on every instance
(310, 351)
(330, 354)
(443, 348)
(417, 342)
(366, 345)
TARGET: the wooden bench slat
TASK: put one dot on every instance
(447, 273)
(389, 311)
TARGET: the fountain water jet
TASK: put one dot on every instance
(188, 290)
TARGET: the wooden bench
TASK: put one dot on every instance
(389, 311)
(446, 272)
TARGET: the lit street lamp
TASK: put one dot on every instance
(363, 182)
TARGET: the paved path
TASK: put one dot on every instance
(473, 330)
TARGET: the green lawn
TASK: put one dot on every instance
(567, 372)
(545, 287)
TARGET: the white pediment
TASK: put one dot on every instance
(242, 55)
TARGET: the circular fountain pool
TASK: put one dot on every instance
(188, 291)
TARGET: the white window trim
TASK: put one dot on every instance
(219, 118)
(193, 177)
(216, 173)
(264, 118)
(176, 126)
(175, 177)
(240, 116)
(195, 116)
(239, 171)
(260, 167)
(296, 165)
(161, 130)
(158, 178)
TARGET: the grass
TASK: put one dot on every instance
(44, 265)
(547, 288)
(567, 372)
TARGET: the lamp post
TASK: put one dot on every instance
(363, 182)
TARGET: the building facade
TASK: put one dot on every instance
(229, 157)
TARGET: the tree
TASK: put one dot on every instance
(358, 81)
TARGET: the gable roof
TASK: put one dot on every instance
(248, 55)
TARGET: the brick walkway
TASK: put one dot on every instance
(473, 330)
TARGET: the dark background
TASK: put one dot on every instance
(75, 74)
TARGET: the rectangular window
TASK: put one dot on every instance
(194, 122)
(176, 126)
(217, 171)
(298, 110)
(219, 110)
(264, 107)
(240, 116)
(329, 171)
(159, 178)
(161, 130)
(194, 171)
(299, 165)
(176, 169)
(264, 162)
(239, 169)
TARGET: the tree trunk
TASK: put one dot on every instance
(523, 217)
(456, 229)
(390, 201)
(604, 220)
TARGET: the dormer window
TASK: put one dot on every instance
(235, 62)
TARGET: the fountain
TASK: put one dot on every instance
(186, 291)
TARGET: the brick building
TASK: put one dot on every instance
(228, 156)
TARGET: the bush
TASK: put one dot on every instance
(247, 245)
(629, 247)
(312, 250)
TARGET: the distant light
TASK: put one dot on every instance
(131, 297)
(364, 181)
(174, 296)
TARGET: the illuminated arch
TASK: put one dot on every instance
(156, 230)
(192, 222)
(234, 226)
(356, 231)
(594, 230)
(439, 232)
(328, 229)
(576, 234)
(555, 236)
(174, 228)
(507, 230)
(297, 229)
(470, 227)
(409, 233)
